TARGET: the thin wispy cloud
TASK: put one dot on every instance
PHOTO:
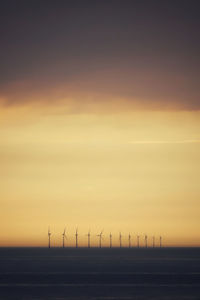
(166, 142)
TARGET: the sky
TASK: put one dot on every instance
(99, 121)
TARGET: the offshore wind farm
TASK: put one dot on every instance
(133, 241)
(99, 150)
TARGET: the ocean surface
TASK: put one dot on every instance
(110, 274)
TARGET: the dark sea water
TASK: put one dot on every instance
(78, 274)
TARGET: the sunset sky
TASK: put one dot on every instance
(99, 121)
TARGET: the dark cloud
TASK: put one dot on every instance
(138, 50)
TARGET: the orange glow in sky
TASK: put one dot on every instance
(130, 171)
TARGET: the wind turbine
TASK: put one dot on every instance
(110, 240)
(88, 235)
(64, 237)
(49, 237)
(146, 240)
(153, 240)
(129, 240)
(100, 238)
(76, 235)
(138, 241)
(120, 240)
(160, 241)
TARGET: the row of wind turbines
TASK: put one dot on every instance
(100, 236)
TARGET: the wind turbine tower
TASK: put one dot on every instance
(160, 241)
(64, 237)
(100, 238)
(49, 237)
(153, 240)
(76, 235)
(129, 240)
(88, 235)
(146, 240)
(120, 240)
(110, 240)
(138, 241)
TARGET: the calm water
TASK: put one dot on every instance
(40, 273)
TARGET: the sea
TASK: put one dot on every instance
(109, 274)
